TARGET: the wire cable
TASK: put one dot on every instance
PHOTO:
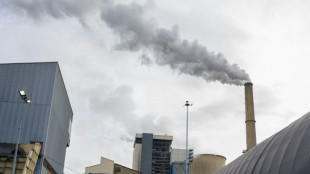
(61, 164)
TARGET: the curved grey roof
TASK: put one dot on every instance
(286, 152)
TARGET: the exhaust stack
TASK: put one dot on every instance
(249, 116)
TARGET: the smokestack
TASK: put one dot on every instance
(249, 116)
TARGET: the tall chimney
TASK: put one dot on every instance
(249, 116)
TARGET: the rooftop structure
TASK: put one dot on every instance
(108, 166)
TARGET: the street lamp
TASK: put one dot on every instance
(186, 160)
(26, 100)
(24, 96)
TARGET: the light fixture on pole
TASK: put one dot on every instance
(24, 96)
(25, 100)
(186, 160)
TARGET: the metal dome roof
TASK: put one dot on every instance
(286, 152)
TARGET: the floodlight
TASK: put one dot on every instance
(27, 100)
(22, 93)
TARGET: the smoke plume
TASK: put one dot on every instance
(137, 33)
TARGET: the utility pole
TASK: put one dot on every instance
(25, 100)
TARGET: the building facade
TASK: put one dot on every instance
(108, 166)
(152, 153)
(26, 161)
(46, 120)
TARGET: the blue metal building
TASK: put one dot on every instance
(47, 119)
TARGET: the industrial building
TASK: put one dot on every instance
(27, 158)
(152, 153)
(177, 161)
(46, 120)
(108, 166)
(177, 155)
(177, 168)
(201, 164)
(207, 164)
(286, 152)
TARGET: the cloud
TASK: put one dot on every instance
(118, 106)
(39, 10)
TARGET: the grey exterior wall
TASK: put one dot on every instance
(146, 155)
(38, 82)
(45, 119)
(58, 135)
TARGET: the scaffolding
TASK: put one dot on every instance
(161, 156)
(177, 168)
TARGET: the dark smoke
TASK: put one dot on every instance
(137, 33)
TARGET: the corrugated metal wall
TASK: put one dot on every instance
(37, 80)
(61, 114)
(46, 118)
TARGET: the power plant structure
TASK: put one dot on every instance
(45, 134)
(207, 164)
(249, 116)
(286, 152)
(177, 160)
(152, 153)
(46, 120)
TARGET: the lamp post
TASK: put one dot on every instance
(186, 160)
(25, 100)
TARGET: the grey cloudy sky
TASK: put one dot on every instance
(129, 67)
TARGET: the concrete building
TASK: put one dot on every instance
(46, 120)
(27, 158)
(152, 153)
(108, 166)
